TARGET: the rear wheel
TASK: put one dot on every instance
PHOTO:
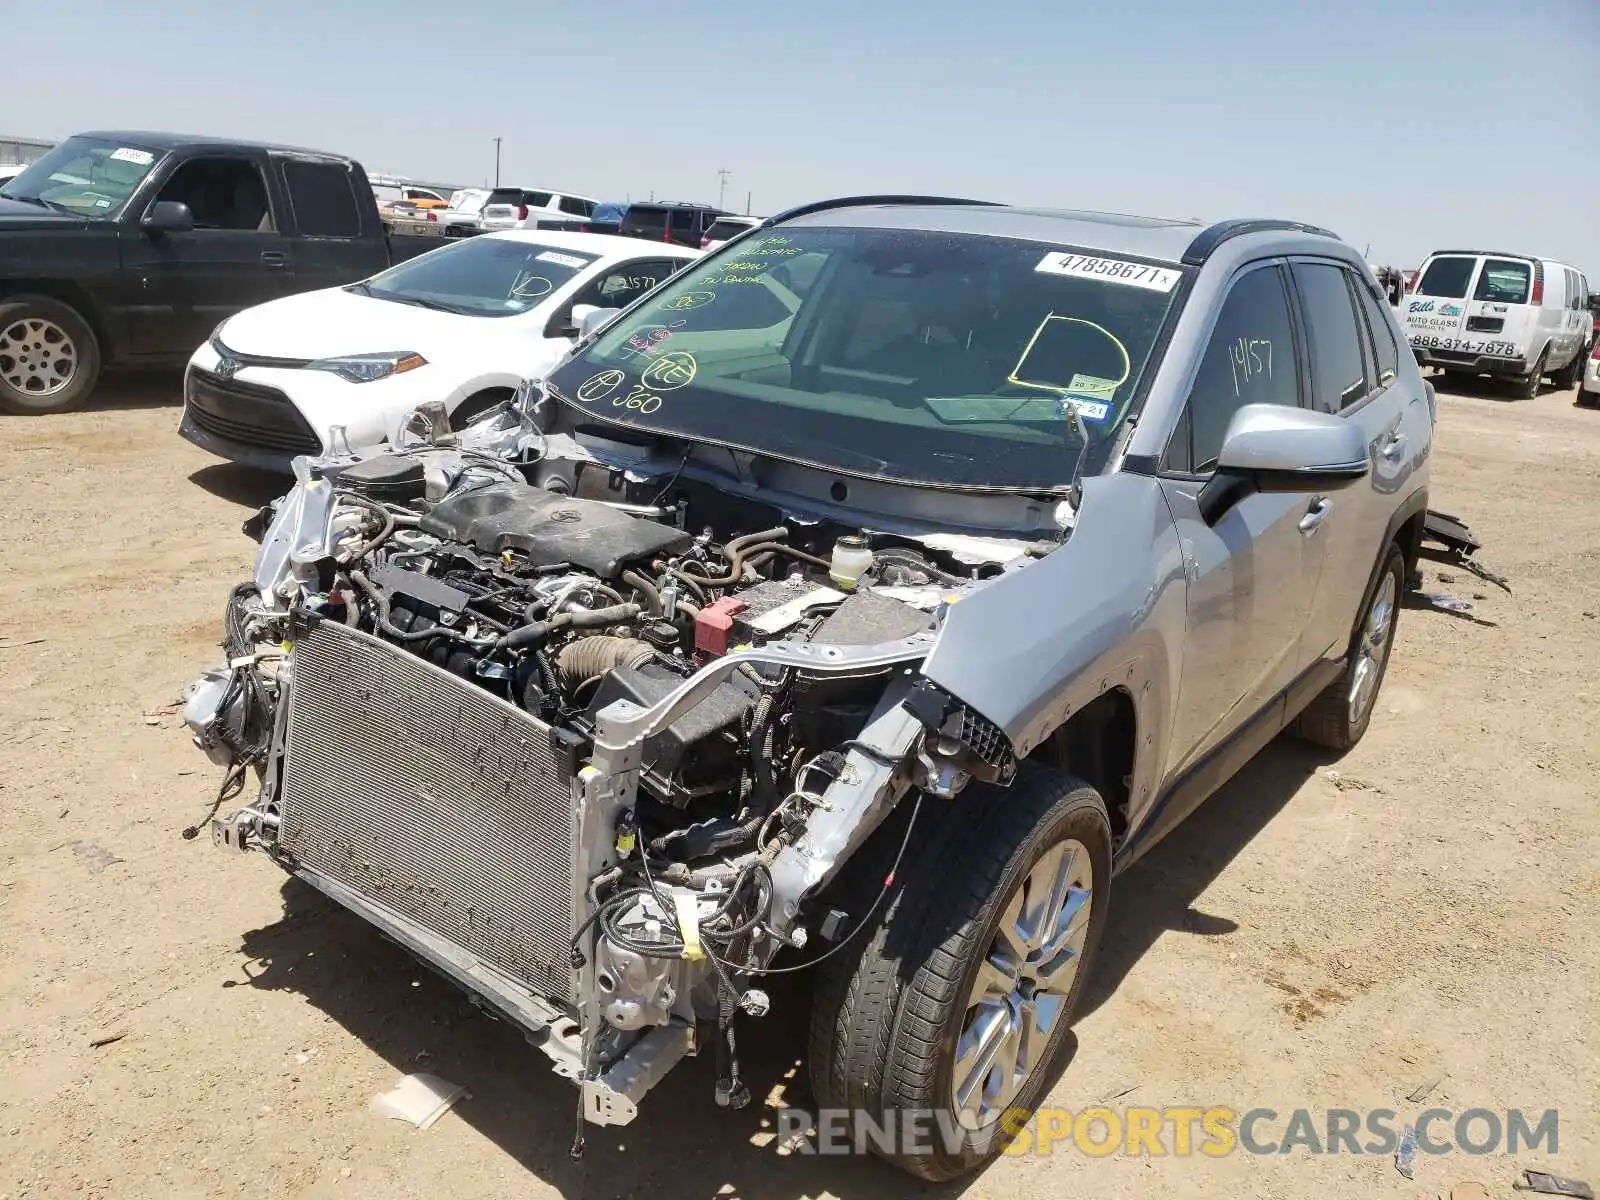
(1527, 387)
(49, 358)
(959, 999)
(1339, 716)
(1570, 374)
(1587, 399)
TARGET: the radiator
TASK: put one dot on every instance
(433, 798)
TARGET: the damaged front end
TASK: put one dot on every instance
(594, 758)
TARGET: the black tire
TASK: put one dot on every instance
(1329, 720)
(1587, 399)
(38, 336)
(888, 1015)
(1570, 374)
(1526, 387)
(1573, 373)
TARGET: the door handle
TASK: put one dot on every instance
(1394, 447)
(1316, 515)
(274, 260)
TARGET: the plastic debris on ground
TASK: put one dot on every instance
(420, 1099)
(1553, 1185)
(1405, 1158)
(1444, 601)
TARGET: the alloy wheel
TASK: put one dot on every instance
(37, 358)
(1371, 649)
(1019, 997)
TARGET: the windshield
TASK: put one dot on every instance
(908, 355)
(88, 176)
(480, 277)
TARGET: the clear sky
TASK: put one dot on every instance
(1403, 124)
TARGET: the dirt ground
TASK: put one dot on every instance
(1317, 935)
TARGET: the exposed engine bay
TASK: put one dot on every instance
(590, 742)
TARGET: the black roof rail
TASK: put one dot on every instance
(1207, 241)
(817, 206)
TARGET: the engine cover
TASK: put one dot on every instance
(551, 528)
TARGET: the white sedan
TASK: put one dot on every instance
(462, 325)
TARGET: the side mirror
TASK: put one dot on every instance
(590, 318)
(168, 216)
(1272, 448)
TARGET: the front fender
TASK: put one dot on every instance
(1105, 610)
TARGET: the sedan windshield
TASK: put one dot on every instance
(91, 177)
(480, 277)
(915, 356)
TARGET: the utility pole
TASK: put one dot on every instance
(722, 185)
(747, 204)
(497, 162)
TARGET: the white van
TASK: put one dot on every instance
(1477, 312)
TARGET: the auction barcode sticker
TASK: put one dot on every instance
(1112, 270)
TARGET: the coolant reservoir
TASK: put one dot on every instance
(851, 558)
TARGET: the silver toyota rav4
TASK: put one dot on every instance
(859, 601)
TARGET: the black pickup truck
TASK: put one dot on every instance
(126, 249)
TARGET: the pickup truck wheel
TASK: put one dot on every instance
(1527, 387)
(1340, 714)
(959, 1000)
(49, 358)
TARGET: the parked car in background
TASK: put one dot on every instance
(521, 208)
(725, 227)
(465, 211)
(123, 249)
(686, 224)
(1589, 382)
(1480, 312)
(1008, 543)
(462, 325)
(387, 190)
(606, 217)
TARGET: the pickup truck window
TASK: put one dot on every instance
(91, 177)
(323, 199)
(222, 193)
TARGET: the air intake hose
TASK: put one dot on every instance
(588, 657)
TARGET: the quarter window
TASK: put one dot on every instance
(1338, 378)
(1383, 337)
(1249, 360)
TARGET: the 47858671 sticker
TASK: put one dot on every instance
(1112, 270)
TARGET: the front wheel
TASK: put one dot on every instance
(49, 358)
(959, 1001)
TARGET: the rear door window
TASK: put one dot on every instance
(1338, 377)
(1504, 281)
(323, 199)
(1447, 277)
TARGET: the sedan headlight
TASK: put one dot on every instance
(365, 368)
